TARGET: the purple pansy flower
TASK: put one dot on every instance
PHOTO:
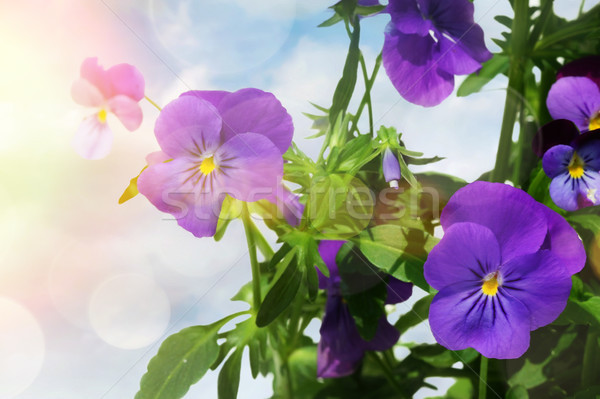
(426, 43)
(218, 143)
(503, 269)
(341, 347)
(116, 90)
(576, 94)
(572, 161)
(391, 167)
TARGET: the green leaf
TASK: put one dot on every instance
(280, 295)
(531, 374)
(182, 360)
(335, 18)
(303, 368)
(473, 83)
(345, 87)
(229, 376)
(504, 20)
(585, 312)
(418, 313)
(339, 206)
(354, 153)
(586, 218)
(517, 392)
(463, 388)
(398, 251)
(422, 161)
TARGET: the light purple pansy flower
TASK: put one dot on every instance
(218, 143)
(341, 347)
(572, 161)
(426, 43)
(576, 94)
(391, 167)
(116, 90)
(503, 269)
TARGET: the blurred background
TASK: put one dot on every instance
(89, 288)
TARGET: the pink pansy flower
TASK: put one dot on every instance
(116, 90)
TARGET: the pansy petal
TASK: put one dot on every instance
(574, 98)
(540, 282)
(462, 316)
(560, 131)
(457, 58)
(340, 349)
(212, 96)
(556, 160)
(127, 80)
(127, 110)
(451, 261)
(188, 126)
(256, 111)
(586, 66)
(173, 187)
(96, 75)
(512, 215)
(385, 337)
(93, 139)
(407, 18)
(590, 153)
(564, 191)
(410, 65)
(564, 242)
(397, 291)
(251, 166)
(156, 157)
(85, 93)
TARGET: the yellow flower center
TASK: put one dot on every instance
(490, 285)
(576, 166)
(102, 114)
(595, 121)
(207, 165)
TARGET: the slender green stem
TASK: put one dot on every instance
(514, 93)
(483, 371)
(367, 96)
(261, 242)
(253, 258)
(590, 355)
(153, 103)
(363, 66)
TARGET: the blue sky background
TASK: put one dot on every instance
(88, 288)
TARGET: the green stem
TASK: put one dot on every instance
(363, 66)
(153, 103)
(367, 96)
(590, 355)
(253, 258)
(514, 93)
(483, 371)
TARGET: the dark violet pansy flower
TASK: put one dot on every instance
(576, 94)
(391, 167)
(426, 43)
(503, 269)
(572, 161)
(217, 143)
(341, 347)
